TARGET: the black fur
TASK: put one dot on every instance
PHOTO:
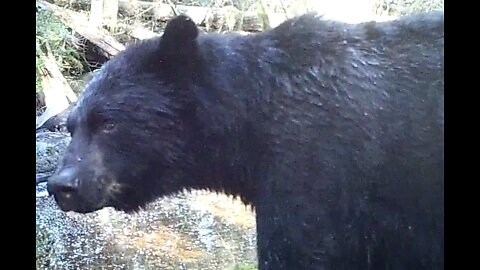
(333, 132)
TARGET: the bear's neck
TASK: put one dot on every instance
(226, 161)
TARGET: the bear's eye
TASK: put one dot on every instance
(109, 127)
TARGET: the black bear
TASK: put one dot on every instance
(333, 132)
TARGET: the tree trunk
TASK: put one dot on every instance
(110, 13)
(96, 13)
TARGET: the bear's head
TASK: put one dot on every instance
(132, 128)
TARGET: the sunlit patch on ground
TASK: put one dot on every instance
(227, 208)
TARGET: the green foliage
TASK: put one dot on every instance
(54, 37)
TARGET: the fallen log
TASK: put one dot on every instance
(58, 93)
(80, 24)
(140, 33)
(226, 18)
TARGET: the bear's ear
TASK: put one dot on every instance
(179, 39)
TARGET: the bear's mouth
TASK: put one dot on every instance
(71, 202)
(125, 202)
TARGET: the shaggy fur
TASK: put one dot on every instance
(333, 132)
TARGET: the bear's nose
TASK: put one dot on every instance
(66, 181)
